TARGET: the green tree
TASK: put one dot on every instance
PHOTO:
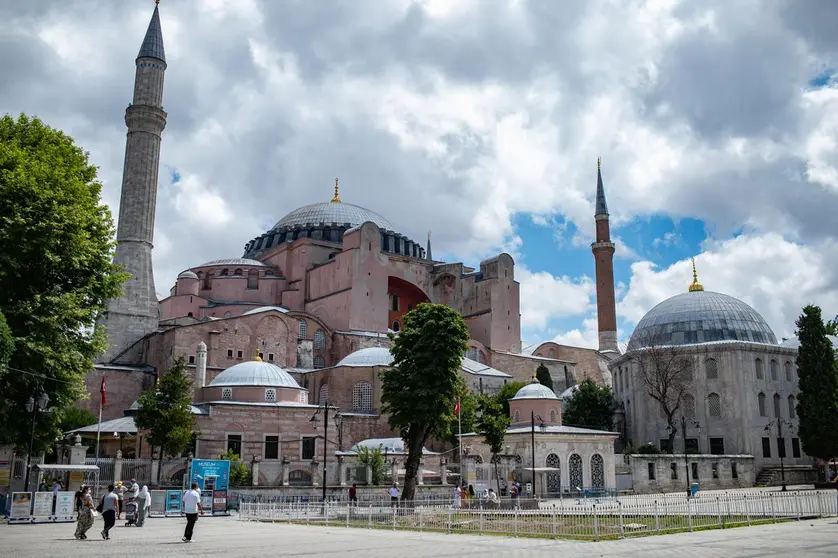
(165, 411)
(506, 393)
(492, 423)
(542, 374)
(374, 459)
(832, 326)
(468, 414)
(7, 344)
(73, 418)
(56, 272)
(592, 406)
(817, 403)
(420, 391)
(240, 475)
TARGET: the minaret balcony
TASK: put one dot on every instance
(602, 246)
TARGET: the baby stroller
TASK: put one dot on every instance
(131, 513)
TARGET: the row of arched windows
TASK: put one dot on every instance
(206, 278)
(791, 405)
(688, 408)
(773, 370)
(576, 474)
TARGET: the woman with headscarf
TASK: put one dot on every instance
(143, 505)
(84, 507)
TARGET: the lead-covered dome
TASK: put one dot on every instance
(255, 373)
(371, 356)
(535, 390)
(332, 213)
(700, 317)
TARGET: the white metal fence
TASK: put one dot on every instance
(577, 519)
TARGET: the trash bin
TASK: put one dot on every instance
(694, 489)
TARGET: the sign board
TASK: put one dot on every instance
(210, 474)
(77, 477)
(172, 502)
(21, 507)
(64, 502)
(206, 500)
(42, 508)
(5, 473)
(219, 502)
(158, 503)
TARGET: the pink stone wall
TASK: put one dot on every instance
(123, 388)
(522, 367)
(550, 411)
(587, 360)
(252, 394)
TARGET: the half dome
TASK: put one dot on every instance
(255, 373)
(697, 317)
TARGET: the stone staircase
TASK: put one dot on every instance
(765, 478)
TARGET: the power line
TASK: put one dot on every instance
(38, 375)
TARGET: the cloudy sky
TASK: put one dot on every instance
(716, 121)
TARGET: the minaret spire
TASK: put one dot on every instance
(603, 250)
(135, 313)
(428, 254)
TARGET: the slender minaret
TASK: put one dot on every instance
(603, 250)
(135, 314)
(428, 253)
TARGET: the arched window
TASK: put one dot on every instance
(775, 370)
(553, 477)
(319, 362)
(597, 471)
(362, 396)
(711, 369)
(714, 405)
(224, 272)
(253, 279)
(472, 353)
(761, 401)
(553, 415)
(760, 369)
(237, 272)
(517, 417)
(689, 406)
(789, 376)
(551, 354)
(777, 405)
(577, 480)
(319, 339)
(792, 405)
(396, 326)
(688, 373)
(270, 395)
(302, 332)
(207, 281)
(324, 394)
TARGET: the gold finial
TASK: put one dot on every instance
(534, 379)
(598, 163)
(336, 199)
(257, 358)
(696, 286)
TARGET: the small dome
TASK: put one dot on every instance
(266, 309)
(697, 317)
(187, 275)
(331, 212)
(234, 261)
(371, 356)
(569, 392)
(255, 373)
(535, 390)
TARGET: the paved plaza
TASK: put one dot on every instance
(231, 538)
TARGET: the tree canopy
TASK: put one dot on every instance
(165, 411)
(420, 391)
(56, 272)
(817, 402)
(506, 393)
(832, 326)
(592, 406)
(492, 423)
(542, 374)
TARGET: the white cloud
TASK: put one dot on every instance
(201, 206)
(545, 296)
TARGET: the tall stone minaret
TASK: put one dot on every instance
(603, 250)
(135, 313)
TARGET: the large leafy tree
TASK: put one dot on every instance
(542, 374)
(165, 411)
(492, 423)
(506, 393)
(832, 326)
(56, 273)
(420, 391)
(817, 403)
(592, 406)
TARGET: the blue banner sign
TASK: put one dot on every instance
(210, 474)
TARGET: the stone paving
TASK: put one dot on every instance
(230, 538)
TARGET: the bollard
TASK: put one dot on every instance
(596, 524)
(622, 526)
(719, 511)
(554, 522)
(657, 519)
(747, 511)
(369, 517)
(773, 509)
(690, 513)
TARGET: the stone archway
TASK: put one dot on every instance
(403, 297)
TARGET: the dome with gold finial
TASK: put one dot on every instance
(700, 316)
(255, 372)
(534, 390)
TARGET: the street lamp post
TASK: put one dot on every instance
(684, 422)
(533, 416)
(313, 420)
(38, 402)
(781, 449)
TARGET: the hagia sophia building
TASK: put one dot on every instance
(301, 317)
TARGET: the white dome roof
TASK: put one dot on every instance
(255, 373)
(266, 309)
(535, 390)
(187, 275)
(371, 356)
(568, 393)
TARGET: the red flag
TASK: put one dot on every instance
(103, 392)
(457, 408)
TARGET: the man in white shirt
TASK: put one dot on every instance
(191, 506)
(394, 496)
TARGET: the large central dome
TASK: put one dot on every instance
(700, 317)
(332, 213)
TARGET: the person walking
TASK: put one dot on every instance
(84, 507)
(458, 497)
(120, 493)
(143, 504)
(110, 509)
(394, 496)
(353, 495)
(191, 506)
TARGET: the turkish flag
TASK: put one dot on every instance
(457, 408)
(103, 392)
